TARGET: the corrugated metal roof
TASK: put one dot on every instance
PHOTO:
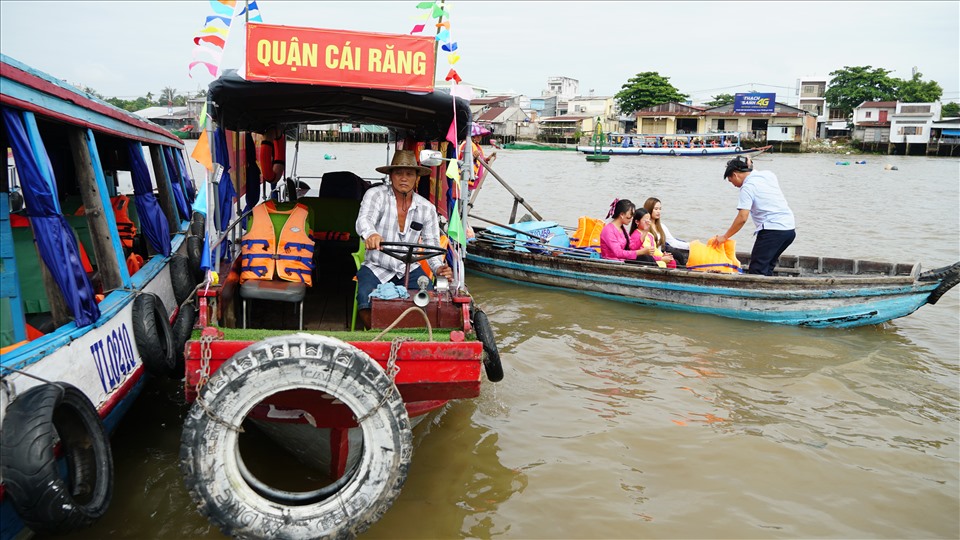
(491, 114)
(878, 105)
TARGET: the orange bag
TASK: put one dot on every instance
(588, 232)
(713, 257)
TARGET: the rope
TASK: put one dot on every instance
(404, 314)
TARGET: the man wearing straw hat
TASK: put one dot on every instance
(394, 212)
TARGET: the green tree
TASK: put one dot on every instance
(721, 99)
(917, 91)
(167, 95)
(950, 110)
(645, 90)
(851, 86)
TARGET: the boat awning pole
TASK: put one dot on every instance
(517, 198)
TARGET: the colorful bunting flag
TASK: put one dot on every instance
(452, 74)
(449, 47)
(417, 29)
(201, 152)
(455, 229)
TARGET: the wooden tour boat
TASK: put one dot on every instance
(804, 291)
(94, 206)
(680, 144)
(277, 365)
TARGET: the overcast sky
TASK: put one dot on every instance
(129, 48)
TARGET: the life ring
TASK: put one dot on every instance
(491, 360)
(152, 334)
(673, 152)
(181, 330)
(195, 256)
(265, 160)
(243, 505)
(181, 277)
(42, 424)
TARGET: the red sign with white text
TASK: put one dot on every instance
(293, 54)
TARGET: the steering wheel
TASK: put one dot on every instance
(410, 253)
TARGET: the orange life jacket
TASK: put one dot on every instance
(125, 225)
(261, 254)
(588, 233)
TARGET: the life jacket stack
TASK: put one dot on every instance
(263, 256)
(588, 233)
(125, 225)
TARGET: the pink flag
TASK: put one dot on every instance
(452, 132)
(417, 29)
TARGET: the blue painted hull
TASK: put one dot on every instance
(829, 301)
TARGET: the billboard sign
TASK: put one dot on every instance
(754, 103)
(293, 54)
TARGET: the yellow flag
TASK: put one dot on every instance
(453, 171)
(201, 152)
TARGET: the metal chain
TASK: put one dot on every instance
(392, 370)
(206, 353)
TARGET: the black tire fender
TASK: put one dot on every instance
(738, 149)
(36, 422)
(182, 329)
(673, 152)
(194, 254)
(639, 151)
(198, 223)
(704, 151)
(491, 358)
(153, 335)
(181, 277)
(213, 469)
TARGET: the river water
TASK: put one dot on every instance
(620, 421)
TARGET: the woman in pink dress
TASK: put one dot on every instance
(641, 237)
(614, 239)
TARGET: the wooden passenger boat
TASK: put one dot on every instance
(284, 376)
(92, 274)
(680, 144)
(804, 291)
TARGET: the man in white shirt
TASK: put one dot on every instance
(762, 200)
(395, 213)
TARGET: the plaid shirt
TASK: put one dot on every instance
(378, 214)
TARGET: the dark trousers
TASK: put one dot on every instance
(767, 249)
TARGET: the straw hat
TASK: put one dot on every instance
(404, 159)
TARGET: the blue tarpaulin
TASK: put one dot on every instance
(152, 220)
(55, 240)
(952, 132)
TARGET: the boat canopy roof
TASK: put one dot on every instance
(29, 89)
(241, 105)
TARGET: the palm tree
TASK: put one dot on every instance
(167, 95)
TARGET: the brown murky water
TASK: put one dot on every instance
(618, 421)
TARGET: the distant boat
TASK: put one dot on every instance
(532, 145)
(679, 144)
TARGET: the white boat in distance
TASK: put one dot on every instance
(678, 144)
